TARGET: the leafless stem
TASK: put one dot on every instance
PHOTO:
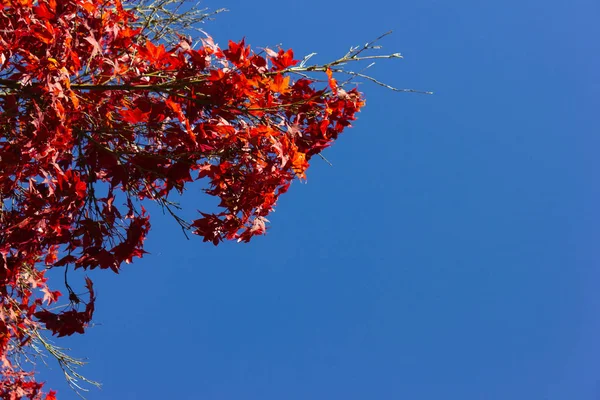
(163, 20)
(355, 54)
(67, 363)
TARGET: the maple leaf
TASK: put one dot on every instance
(209, 226)
(332, 82)
(283, 60)
(237, 52)
(279, 84)
(155, 53)
(96, 48)
(43, 11)
(299, 164)
(52, 255)
(50, 296)
(135, 116)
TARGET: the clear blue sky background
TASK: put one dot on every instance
(450, 253)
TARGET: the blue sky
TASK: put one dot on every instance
(450, 252)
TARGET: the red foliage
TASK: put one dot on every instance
(89, 107)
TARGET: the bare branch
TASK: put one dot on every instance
(67, 363)
(163, 20)
(352, 56)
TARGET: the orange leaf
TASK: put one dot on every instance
(280, 84)
(332, 82)
(74, 98)
(299, 164)
(156, 52)
(89, 7)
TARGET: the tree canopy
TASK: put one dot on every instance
(105, 105)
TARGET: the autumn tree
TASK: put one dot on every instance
(105, 105)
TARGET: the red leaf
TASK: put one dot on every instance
(237, 53)
(284, 59)
(135, 116)
(155, 53)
